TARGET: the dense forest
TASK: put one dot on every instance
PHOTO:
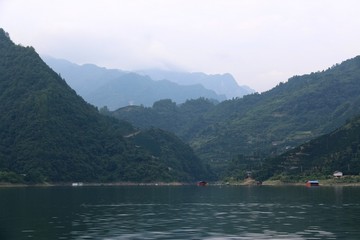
(184, 120)
(318, 158)
(259, 125)
(49, 133)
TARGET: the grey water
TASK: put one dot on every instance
(180, 212)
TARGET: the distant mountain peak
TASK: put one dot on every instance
(223, 83)
(115, 88)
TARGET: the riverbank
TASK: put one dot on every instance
(86, 184)
(325, 182)
(345, 181)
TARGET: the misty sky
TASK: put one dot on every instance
(260, 42)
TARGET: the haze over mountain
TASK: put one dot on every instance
(261, 43)
(49, 133)
(220, 83)
(83, 78)
(115, 88)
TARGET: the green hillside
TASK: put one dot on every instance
(284, 117)
(168, 149)
(321, 157)
(49, 133)
(259, 125)
(184, 120)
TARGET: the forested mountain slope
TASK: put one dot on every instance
(183, 119)
(269, 123)
(49, 133)
(320, 157)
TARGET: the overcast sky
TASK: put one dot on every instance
(260, 42)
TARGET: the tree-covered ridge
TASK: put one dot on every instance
(321, 157)
(167, 115)
(263, 124)
(293, 112)
(172, 153)
(49, 133)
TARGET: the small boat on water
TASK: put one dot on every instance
(202, 183)
(77, 184)
(312, 183)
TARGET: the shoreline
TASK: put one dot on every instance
(341, 182)
(88, 184)
(323, 183)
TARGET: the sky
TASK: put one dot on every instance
(260, 42)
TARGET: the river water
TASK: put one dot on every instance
(180, 212)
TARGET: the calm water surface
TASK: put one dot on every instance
(180, 212)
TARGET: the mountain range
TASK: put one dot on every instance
(306, 127)
(222, 84)
(115, 88)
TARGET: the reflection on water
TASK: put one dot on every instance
(198, 221)
(181, 212)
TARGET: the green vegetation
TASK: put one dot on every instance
(259, 126)
(11, 177)
(49, 133)
(318, 158)
(184, 120)
(172, 153)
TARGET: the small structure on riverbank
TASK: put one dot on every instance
(312, 183)
(338, 174)
(77, 184)
(202, 183)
